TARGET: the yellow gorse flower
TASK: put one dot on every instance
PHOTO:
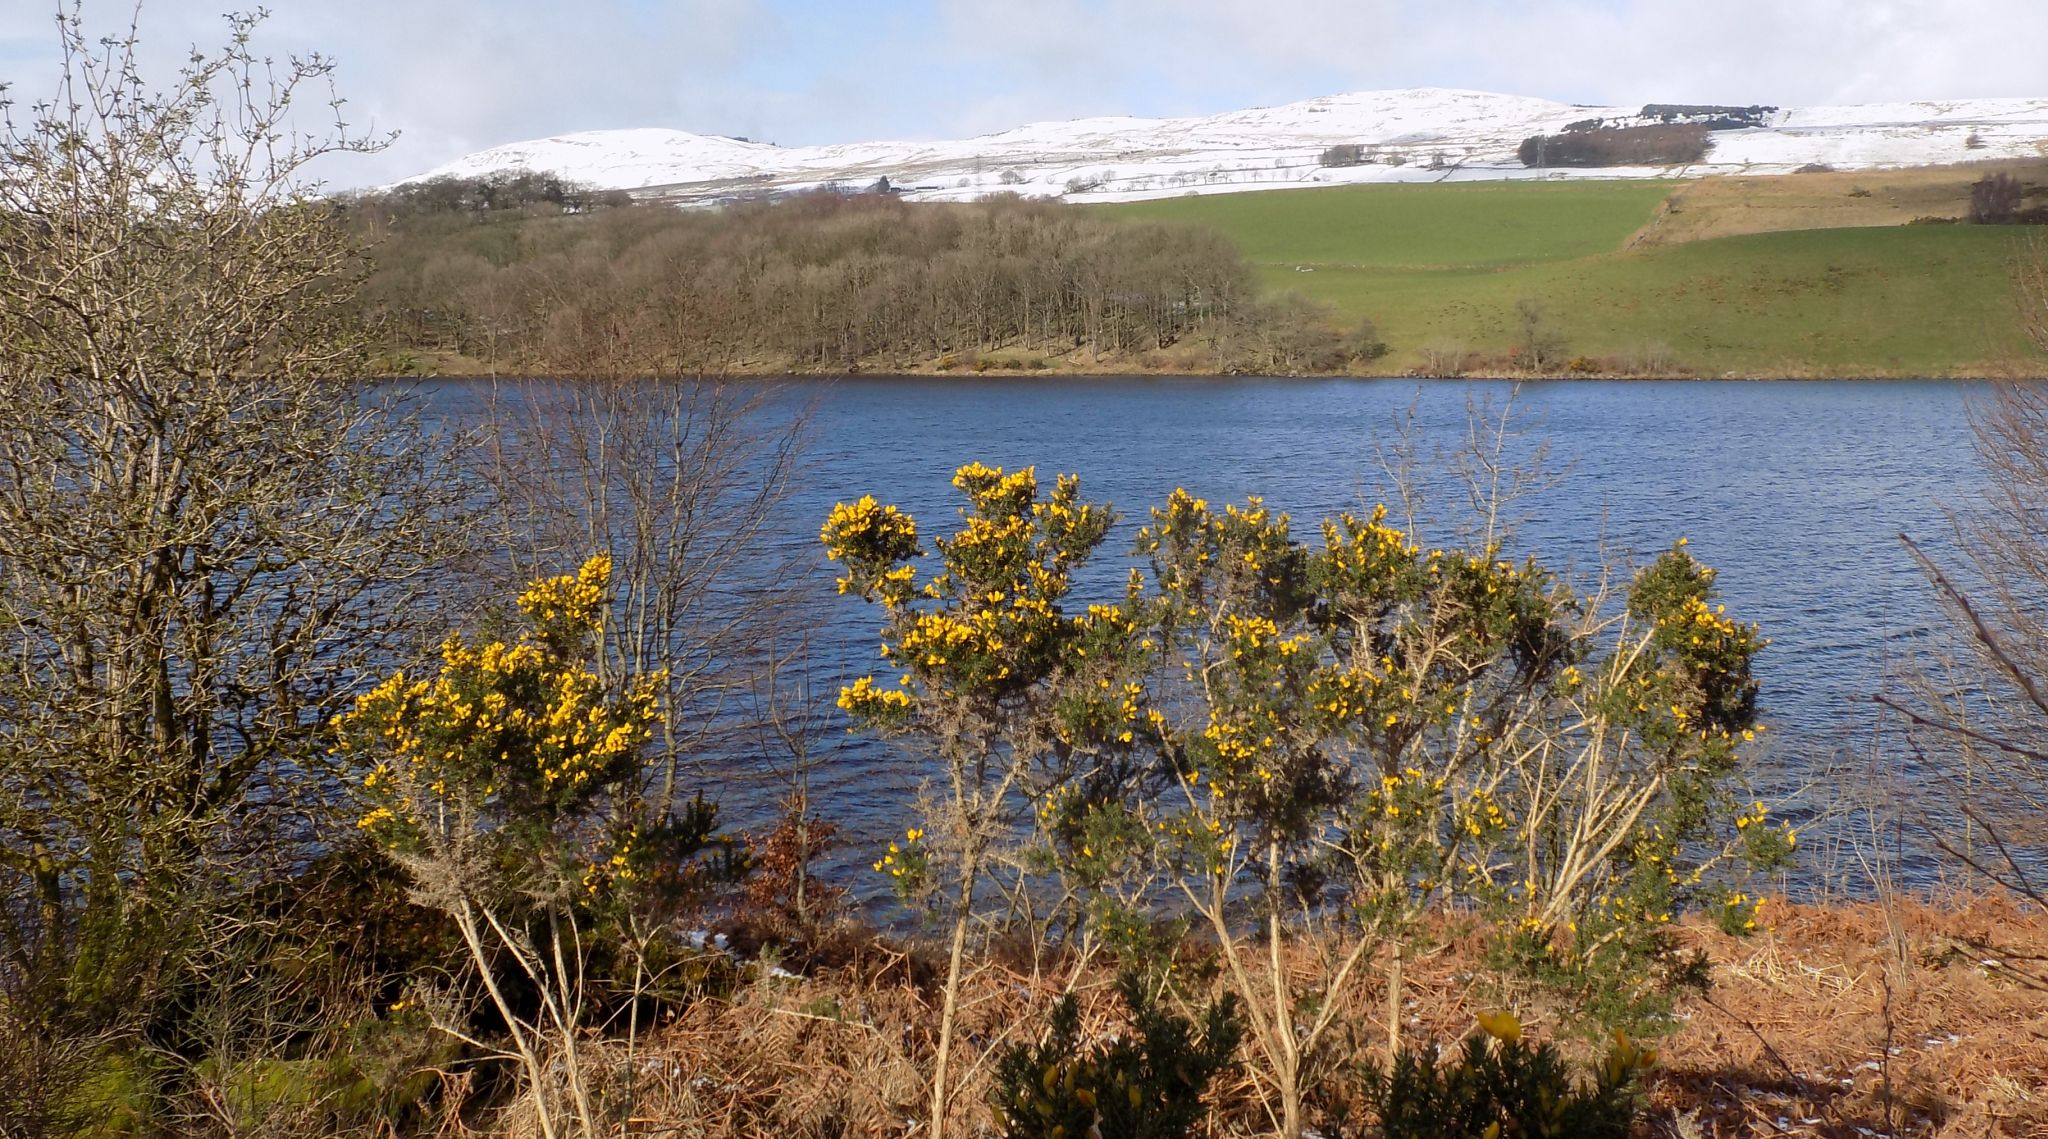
(499, 714)
(863, 699)
(577, 599)
(1500, 1024)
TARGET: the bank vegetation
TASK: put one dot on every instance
(517, 274)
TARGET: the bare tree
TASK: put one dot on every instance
(675, 484)
(1537, 340)
(679, 482)
(206, 536)
(1995, 199)
(1976, 707)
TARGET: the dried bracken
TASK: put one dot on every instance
(1795, 1038)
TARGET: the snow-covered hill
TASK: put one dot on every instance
(1409, 136)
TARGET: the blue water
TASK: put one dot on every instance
(1796, 491)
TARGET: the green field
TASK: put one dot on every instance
(1456, 226)
(1443, 267)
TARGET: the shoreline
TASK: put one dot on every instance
(1009, 374)
(454, 367)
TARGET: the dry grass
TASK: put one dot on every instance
(1730, 205)
(1846, 1021)
(1917, 1019)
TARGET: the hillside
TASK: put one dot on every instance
(1419, 135)
(1731, 206)
(1800, 276)
(1814, 275)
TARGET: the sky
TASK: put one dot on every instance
(455, 76)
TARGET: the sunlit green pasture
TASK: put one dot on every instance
(1444, 266)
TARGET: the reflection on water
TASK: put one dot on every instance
(1796, 491)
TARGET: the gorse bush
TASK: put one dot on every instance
(1145, 1081)
(1381, 731)
(511, 785)
(1312, 749)
(1500, 1086)
(989, 663)
(517, 763)
(514, 739)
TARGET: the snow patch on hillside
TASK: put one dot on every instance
(1419, 135)
(621, 159)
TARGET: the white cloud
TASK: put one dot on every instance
(1595, 50)
(457, 75)
(1783, 51)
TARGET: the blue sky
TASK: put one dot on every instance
(458, 75)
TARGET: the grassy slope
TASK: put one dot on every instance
(1446, 264)
(1727, 207)
(1466, 225)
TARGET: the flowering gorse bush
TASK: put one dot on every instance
(517, 735)
(990, 677)
(908, 868)
(1012, 693)
(517, 753)
(1317, 747)
(511, 785)
(1656, 788)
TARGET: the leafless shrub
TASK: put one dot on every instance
(1539, 346)
(679, 482)
(1651, 358)
(1446, 358)
(1977, 706)
(1995, 199)
(206, 535)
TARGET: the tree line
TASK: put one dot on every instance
(522, 274)
(1617, 146)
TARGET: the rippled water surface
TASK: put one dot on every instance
(1796, 491)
